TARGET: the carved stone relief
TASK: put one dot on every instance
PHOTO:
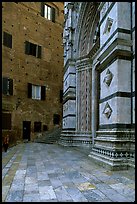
(108, 78)
(108, 25)
(107, 110)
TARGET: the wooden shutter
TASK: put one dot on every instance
(29, 90)
(61, 96)
(42, 9)
(11, 86)
(43, 92)
(6, 121)
(56, 119)
(4, 85)
(39, 51)
(27, 47)
(7, 40)
(53, 14)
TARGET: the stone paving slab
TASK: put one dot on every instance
(37, 172)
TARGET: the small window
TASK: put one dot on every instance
(48, 12)
(56, 119)
(37, 126)
(32, 49)
(6, 121)
(7, 86)
(36, 92)
(7, 39)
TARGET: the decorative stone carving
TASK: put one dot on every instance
(107, 110)
(108, 78)
(108, 25)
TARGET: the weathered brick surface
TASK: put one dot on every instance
(24, 21)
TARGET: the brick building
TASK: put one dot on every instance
(32, 68)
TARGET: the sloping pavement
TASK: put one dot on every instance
(38, 172)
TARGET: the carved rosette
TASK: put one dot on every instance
(107, 111)
(108, 78)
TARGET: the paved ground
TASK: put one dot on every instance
(52, 173)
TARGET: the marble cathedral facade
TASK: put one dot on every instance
(99, 81)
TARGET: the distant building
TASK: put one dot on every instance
(99, 80)
(32, 68)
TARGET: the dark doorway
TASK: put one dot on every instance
(26, 130)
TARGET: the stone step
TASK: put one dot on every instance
(49, 137)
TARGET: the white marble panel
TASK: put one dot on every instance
(113, 15)
(121, 111)
(133, 109)
(133, 82)
(70, 69)
(69, 107)
(133, 14)
(69, 81)
(124, 17)
(121, 78)
(69, 122)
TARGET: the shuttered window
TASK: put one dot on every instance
(36, 92)
(56, 119)
(43, 92)
(61, 96)
(29, 90)
(53, 14)
(33, 49)
(48, 12)
(37, 126)
(7, 86)
(6, 121)
(7, 39)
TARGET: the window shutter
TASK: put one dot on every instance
(53, 14)
(56, 119)
(29, 90)
(11, 86)
(43, 91)
(42, 8)
(7, 40)
(4, 85)
(10, 41)
(39, 51)
(27, 47)
(61, 96)
(6, 121)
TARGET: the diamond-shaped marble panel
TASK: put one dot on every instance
(108, 78)
(107, 110)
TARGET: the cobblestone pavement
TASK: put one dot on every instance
(52, 173)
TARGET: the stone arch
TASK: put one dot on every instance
(86, 30)
(86, 46)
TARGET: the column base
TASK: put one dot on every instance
(73, 138)
(114, 149)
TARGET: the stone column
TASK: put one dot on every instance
(83, 101)
(95, 101)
